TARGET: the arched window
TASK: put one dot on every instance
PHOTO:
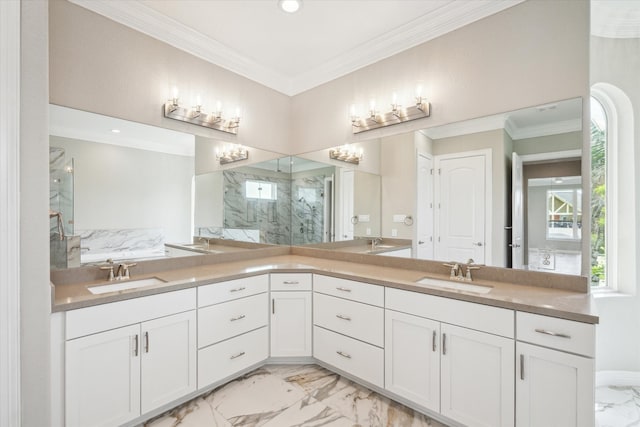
(598, 193)
(613, 190)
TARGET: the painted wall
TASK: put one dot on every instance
(548, 144)
(100, 66)
(122, 188)
(498, 64)
(616, 61)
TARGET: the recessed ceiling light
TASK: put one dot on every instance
(290, 6)
(115, 130)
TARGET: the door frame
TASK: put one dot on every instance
(488, 193)
(429, 157)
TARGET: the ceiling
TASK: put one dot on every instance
(292, 53)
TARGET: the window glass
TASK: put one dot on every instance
(598, 193)
(261, 190)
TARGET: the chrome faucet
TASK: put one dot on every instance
(204, 239)
(375, 242)
(456, 271)
(109, 267)
(123, 271)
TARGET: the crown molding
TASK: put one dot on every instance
(546, 129)
(427, 27)
(142, 18)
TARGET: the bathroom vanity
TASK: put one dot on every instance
(521, 354)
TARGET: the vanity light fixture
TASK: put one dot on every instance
(197, 116)
(232, 153)
(346, 153)
(420, 109)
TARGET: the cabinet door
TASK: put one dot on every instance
(477, 377)
(168, 350)
(412, 358)
(553, 388)
(102, 377)
(290, 324)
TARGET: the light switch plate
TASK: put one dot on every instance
(364, 218)
(394, 232)
(399, 218)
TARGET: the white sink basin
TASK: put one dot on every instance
(125, 285)
(459, 286)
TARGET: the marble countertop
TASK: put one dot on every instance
(561, 303)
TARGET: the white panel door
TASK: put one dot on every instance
(517, 212)
(461, 208)
(553, 388)
(291, 324)
(168, 350)
(412, 358)
(347, 181)
(424, 214)
(477, 377)
(102, 377)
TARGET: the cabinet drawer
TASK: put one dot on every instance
(355, 357)
(232, 289)
(224, 359)
(566, 335)
(349, 289)
(357, 320)
(495, 320)
(90, 320)
(219, 322)
(291, 281)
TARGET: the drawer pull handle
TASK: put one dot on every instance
(242, 288)
(135, 345)
(522, 367)
(553, 334)
(235, 356)
(146, 342)
(340, 316)
(343, 354)
(340, 288)
(291, 282)
(433, 341)
(233, 319)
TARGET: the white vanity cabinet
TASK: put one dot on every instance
(126, 358)
(555, 372)
(290, 307)
(232, 327)
(451, 357)
(348, 332)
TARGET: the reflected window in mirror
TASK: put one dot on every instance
(261, 190)
(564, 213)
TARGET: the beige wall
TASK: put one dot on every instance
(100, 66)
(549, 144)
(529, 54)
(398, 183)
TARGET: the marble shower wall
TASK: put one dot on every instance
(61, 189)
(270, 217)
(307, 209)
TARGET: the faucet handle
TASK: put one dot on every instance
(110, 268)
(125, 269)
(454, 266)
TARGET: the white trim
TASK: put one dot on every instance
(424, 28)
(552, 155)
(620, 152)
(10, 213)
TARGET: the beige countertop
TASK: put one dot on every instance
(545, 300)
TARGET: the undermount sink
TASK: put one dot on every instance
(460, 286)
(125, 285)
(384, 246)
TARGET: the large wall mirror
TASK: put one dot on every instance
(503, 190)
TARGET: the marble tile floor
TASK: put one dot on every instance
(292, 395)
(617, 406)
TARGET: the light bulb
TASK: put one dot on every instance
(290, 6)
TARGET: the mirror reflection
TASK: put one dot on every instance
(454, 192)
